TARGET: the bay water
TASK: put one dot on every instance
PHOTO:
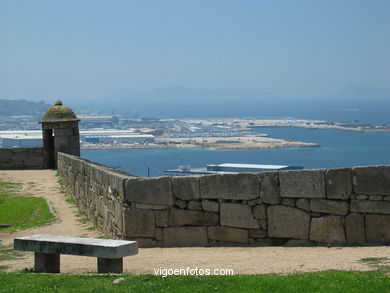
(338, 148)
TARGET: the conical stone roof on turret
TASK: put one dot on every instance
(59, 113)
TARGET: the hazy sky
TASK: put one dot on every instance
(90, 49)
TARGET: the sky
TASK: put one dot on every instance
(88, 50)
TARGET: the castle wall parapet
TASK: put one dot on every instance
(344, 206)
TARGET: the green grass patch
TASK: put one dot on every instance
(20, 212)
(374, 260)
(3, 268)
(8, 253)
(331, 281)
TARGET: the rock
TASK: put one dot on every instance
(149, 190)
(210, 206)
(288, 222)
(242, 186)
(194, 205)
(386, 198)
(329, 206)
(303, 204)
(162, 218)
(179, 217)
(375, 197)
(354, 226)
(377, 229)
(339, 183)
(269, 187)
(186, 187)
(185, 236)
(288, 202)
(361, 196)
(263, 224)
(228, 234)
(254, 202)
(263, 242)
(150, 206)
(371, 180)
(119, 280)
(302, 183)
(159, 234)
(328, 229)
(257, 233)
(139, 223)
(145, 242)
(181, 203)
(370, 207)
(260, 211)
(299, 243)
(237, 215)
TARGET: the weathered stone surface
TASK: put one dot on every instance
(369, 206)
(237, 215)
(254, 202)
(228, 234)
(269, 187)
(263, 224)
(288, 222)
(299, 243)
(288, 202)
(186, 188)
(386, 198)
(377, 229)
(302, 183)
(139, 223)
(181, 203)
(371, 180)
(243, 186)
(162, 218)
(185, 236)
(159, 234)
(210, 206)
(328, 229)
(375, 197)
(194, 205)
(354, 226)
(361, 196)
(149, 190)
(179, 217)
(260, 211)
(329, 206)
(149, 206)
(257, 233)
(303, 204)
(145, 242)
(339, 183)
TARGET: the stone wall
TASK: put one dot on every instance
(21, 158)
(338, 206)
(99, 192)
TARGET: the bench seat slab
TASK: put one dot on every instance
(95, 247)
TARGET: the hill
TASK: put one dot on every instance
(22, 107)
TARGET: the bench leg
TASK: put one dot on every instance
(110, 265)
(47, 262)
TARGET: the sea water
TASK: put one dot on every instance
(338, 148)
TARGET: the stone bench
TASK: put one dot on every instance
(47, 250)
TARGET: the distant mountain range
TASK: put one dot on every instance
(363, 102)
(22, 107)
(353, 102)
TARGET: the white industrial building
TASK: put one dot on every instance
(33, 138)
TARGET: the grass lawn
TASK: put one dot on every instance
(21, 212)
(330, 281)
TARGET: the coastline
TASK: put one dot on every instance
(214, 143)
